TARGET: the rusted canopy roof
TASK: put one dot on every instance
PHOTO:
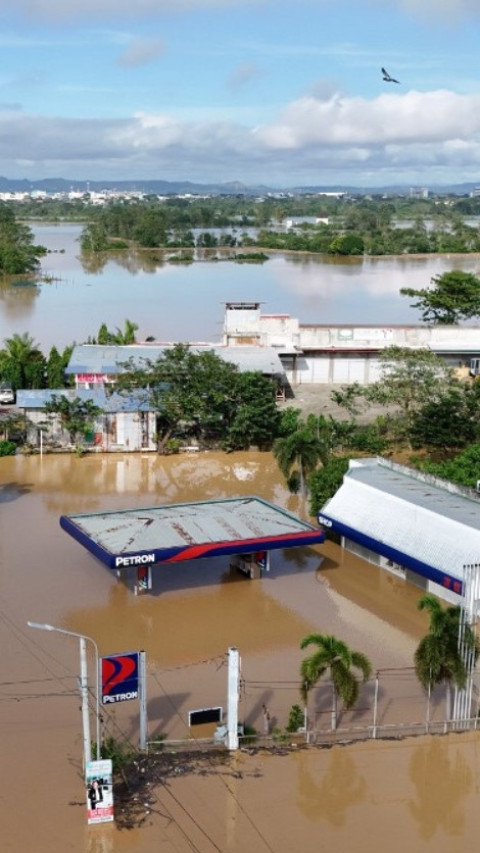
(176, 532)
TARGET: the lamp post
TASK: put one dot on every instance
(87, 749)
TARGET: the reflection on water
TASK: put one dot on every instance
(330, 797)
(442, 779)
(142, 286)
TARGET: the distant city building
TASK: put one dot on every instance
(419, 192)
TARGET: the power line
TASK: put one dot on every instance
(238, 804)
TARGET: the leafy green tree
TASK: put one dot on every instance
(94, 238)
(409, 380)
(348, 244)
(256, 417)
(18, 254)
(334, 657)
(437, 658)
(199, 394)
(76, 415)
(207, 240)
(463, 469)
(325, 482)
(452, 420)
(55, 369)
(22, 363)
(348, 398)
(150, 229)
(289, 421)
(455, 296)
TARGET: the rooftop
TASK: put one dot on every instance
(189, 531)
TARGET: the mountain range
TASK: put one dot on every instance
(160, 187)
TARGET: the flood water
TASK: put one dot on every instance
(409, 794)
(172, 302)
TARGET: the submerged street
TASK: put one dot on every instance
(195, 613)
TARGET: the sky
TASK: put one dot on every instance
(282, 93)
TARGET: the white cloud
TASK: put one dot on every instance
(61, 10)
(431, 137)
(413, 117)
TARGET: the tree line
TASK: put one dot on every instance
(350, 226)
(358, 228)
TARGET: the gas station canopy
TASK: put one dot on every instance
(190, 531)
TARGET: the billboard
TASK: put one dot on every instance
(99, 783)
(120, 678)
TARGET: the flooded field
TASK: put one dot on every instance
(362, 797)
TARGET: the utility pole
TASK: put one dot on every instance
(232, 699)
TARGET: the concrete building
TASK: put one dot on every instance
(315, 353)
(421, 529)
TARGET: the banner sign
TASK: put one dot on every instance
(99, 791)
(120, 676)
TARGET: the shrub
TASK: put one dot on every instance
(7, 448)
(296, 719)
(368, 439)
(120, 752)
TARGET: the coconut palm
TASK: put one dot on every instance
(21, 362)
(334, 657)
(300, 451)
(437, 658)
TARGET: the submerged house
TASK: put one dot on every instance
(94, 365)
(126, 422)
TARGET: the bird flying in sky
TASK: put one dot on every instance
(387, 78)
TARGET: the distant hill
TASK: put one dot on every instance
(158, 187)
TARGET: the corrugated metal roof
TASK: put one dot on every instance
(190, 531)
(133, 402)
(93, 358)
(434, 524)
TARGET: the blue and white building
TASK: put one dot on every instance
(422, 529)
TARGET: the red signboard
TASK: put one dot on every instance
(91, 377)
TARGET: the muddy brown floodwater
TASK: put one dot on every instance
(416, 794)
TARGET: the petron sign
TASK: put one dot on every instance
(120, 678)
(134, 560)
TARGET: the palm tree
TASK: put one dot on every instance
(118, 337)
(336, 658)
(21, 361)
(127, 336)
(299, 452)
(437, 658)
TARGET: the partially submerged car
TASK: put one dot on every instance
(7, 394)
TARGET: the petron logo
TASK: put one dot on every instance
(136, 560)
(119, 678)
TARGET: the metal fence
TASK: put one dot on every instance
(391, 705)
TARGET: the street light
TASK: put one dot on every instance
(87, 748)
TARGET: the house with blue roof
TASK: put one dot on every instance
(126, 422)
